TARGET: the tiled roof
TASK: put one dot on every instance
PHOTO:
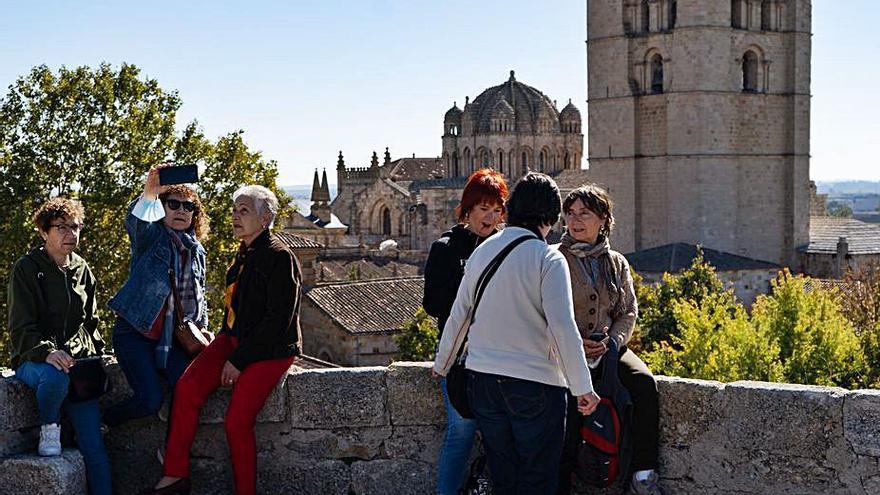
(312, 363)
(333, 270)
(862, 238)
(371, 306)
(673, 258)
(295, 241)
(417, 168)
(570, 179)
(447, 183)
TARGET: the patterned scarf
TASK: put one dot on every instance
(596, 262)
(182, 259)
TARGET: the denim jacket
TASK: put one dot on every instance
(143, 294)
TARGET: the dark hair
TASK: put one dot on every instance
(58, 208)
(534, 202)
(483, 186)
(201, 224)
(597, 200)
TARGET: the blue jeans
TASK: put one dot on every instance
(453, 464)
(51, 387)
(522, 423)
(135, 354)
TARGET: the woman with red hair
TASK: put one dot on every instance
(479, 212)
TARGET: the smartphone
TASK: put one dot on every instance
(597, 337)
(178, 174)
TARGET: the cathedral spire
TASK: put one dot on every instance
(387, 156)
(325, 190)
(340, 162)
(315, 188)
(375, 161)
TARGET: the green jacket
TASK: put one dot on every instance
(52, 308)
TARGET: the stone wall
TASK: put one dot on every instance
(378, 430)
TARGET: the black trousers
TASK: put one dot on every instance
(642, 388)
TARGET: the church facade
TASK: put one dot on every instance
(512, 127)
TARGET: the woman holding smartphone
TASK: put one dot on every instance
(166, 226)
(605, 308)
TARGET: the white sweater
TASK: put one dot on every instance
(524, 326)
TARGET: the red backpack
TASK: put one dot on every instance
(605, 448)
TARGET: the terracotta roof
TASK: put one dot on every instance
(337, 270)
(312, 363)
(417, 168)
(673, 258)
(371, 306)
(295, 241)
(447, 183)
(863, 238)
(570, 179)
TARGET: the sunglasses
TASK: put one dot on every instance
(175, 205)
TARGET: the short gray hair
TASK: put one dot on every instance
(263, 198)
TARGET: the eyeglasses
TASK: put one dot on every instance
(64, 229)
(175, 205)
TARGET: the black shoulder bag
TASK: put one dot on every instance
(456, 377)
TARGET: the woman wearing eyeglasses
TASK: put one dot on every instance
(53, 321)
(165, 226)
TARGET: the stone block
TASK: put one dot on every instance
(414, 397)
(33, 475)
(18, 404)
(325, 477)
(397, 476)
(338, 398)
(420, 443)
(341, 443)
(861, 421)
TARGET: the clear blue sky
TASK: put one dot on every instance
(306, 79)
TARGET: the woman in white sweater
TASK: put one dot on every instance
(524, 348)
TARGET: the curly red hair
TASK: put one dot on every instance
(485, 186)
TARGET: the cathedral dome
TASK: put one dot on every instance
(528, 106)
(453, 114)
(570, 113)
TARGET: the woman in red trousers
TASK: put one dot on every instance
(255, 348)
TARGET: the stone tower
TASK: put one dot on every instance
(512, 128)
(699, 122)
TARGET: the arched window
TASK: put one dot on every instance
(646, 17)
(524, 162)
(456, 171)
(386, 220)
(484, 158)
(736, 19)
(657, 73)
(468, 162)
(501, 161)
(673, 13)
(541, 160)
(766, 7)
(566, 162)
(750, 72)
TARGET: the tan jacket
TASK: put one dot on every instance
(595, 309)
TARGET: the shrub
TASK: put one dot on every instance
(418, 338)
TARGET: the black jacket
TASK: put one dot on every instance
(266, 302)
(444, 270)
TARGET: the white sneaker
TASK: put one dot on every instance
(50, 440)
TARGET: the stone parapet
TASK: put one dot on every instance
(379, 430)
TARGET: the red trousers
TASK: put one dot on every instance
(249, 394)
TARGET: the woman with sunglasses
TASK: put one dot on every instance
(165, 225)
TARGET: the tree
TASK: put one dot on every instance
(657, 320)
(840, 210)
(860, 304)
(716, 342)
(93, 134)
(418, 338)
(817, 344)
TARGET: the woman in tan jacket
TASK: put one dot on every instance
(605, 308)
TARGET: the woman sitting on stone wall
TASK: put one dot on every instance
(479, 212)
(254, 349)
(53, 321)
(165, 226)
(524, 349)
(605, 308)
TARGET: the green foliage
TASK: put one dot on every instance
(93, 133)
(838, 209)
(716, 342)
(418, 338)
(657, 320)
(860, 303)
(817, 344)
